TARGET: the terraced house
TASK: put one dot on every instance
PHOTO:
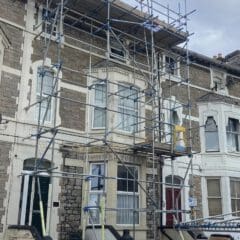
(108, 122)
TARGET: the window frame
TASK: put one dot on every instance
(214, 197)
(102, 107)
(172, 71)
(234, 198)
(98, 193)
(46, 96)
(233, 134)
(127, 193)
(121, 116)
(207, 131)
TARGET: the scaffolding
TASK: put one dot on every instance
(136, 41)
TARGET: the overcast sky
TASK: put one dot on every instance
(215, 24)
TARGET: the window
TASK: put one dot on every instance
(117, 50)
(45, 79)
(128, 108)
(214, 197)
(96, 191)
(211, 135)
(235, 195)
(99, 114)
(170, 65)
(233, 135)
(218, 81)
(127, 195)
(48, 18)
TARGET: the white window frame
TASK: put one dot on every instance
(98, 193)
(206, 131)
(233, 134)
(44, 96)
(121, 116)
(214, 197)
(235, 198)
(127, 193)
(101, 106)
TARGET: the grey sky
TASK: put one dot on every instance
(214, 24)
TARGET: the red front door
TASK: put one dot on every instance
(169, 206)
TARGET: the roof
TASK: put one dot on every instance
(207, 61)
(123, 17)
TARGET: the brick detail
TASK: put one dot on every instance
(4, 163)
(13, 11)
(70, 205)
(8, 94)
(198, 75)
(12, 55)
(73, 113)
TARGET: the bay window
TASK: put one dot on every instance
(127, 195)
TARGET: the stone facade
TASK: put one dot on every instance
(70, 204)
(74, 112)
(9, 94)
(4, 164)
(73, 104)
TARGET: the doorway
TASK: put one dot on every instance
(26, 217)
(173, 199)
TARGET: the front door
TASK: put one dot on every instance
(25, 201)
(173, 205)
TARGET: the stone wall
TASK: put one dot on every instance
(150, 205)
(73, 113)
(70, 204)
(12, 10)
(197, 193)
(8, 94)
(12, 55)
(4, 164)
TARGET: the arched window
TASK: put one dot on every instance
(211, 135)
(173, 180)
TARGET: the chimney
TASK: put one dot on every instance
(219, 57)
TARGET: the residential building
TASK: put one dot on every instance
(115, 123)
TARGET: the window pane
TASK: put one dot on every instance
(211, 135)
(212, 143)
(128, 108)
(99, 117)
(126, 181)
(126, 205)
(215, 206)
(99, 106)
(233, 135)
(94, 201)
(97, 183)
(213, 187)
(46, 78)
